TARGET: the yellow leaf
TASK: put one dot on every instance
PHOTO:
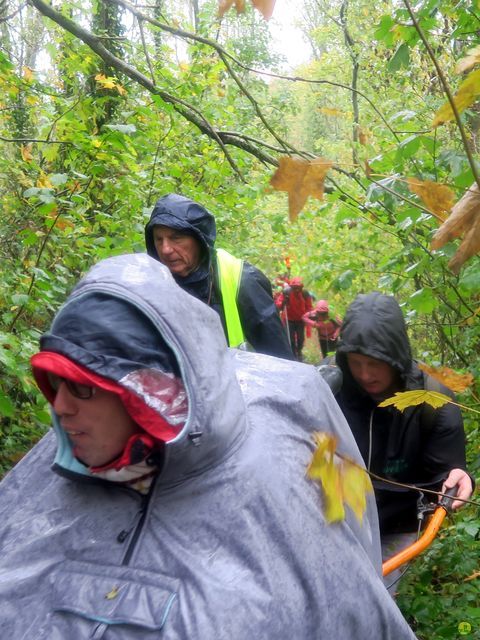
(27, 74)
(301, 179)
(323, 469)
(96, 143)
(465, 96)
(112, 594)
(355, 486)
(43, 182)
(438, 198)
(469, 61)
(26, 151)
(402, 400)
(342, 480)
(331, 112)
(106, 83)
(457, 382)
(464, 219)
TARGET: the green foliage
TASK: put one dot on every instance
(82, 164)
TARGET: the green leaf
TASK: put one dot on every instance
(384, 30)
(20, 298)
(122, 128)
(7, 408)
(408, 147)
(423, 301)
(470, 278)
(58, 179)
(33, 191)
(400, 59)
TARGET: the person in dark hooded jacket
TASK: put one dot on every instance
(179, 507)
(419, 445)
(181, 234)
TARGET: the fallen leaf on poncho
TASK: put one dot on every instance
(342, 479)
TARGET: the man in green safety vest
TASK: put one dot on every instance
(181, 234)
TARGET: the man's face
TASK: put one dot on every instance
(98, 427)
(376, 377)
(180, 252)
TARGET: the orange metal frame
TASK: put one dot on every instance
(434, 524)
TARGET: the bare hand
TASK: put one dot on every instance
(463, 482)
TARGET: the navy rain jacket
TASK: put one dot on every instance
(259, 317)
(412, 446)
(231, 542)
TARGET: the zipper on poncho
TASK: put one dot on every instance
(137, 527)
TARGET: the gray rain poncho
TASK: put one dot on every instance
(231, 542)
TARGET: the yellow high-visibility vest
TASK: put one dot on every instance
(229, 275)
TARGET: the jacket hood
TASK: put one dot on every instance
(121, 322)
(322, 306)
(374, 326)
(181, 213)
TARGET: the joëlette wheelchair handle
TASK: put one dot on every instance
(434, 524)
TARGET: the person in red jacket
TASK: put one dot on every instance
(295, 302)
(327, 327)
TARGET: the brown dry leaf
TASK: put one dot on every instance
(26, 151)
(225, 5)
(363, 137)
(457, 382)
(301, 179)
(438, 198)
(465, 218)
(472, 58)
(342, 480)
(265, 7)
(473, 576)
(465, 96)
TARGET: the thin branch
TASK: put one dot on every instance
(27, 140)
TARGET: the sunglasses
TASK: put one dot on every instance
(81, 391)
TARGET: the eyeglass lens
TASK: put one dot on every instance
(81, 391)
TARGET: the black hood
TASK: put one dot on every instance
(374, 326)
(177, 212)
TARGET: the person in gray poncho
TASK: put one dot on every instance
(179, 507)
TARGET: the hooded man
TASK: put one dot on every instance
(181, 235)
(419, 445)
(178, 506)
